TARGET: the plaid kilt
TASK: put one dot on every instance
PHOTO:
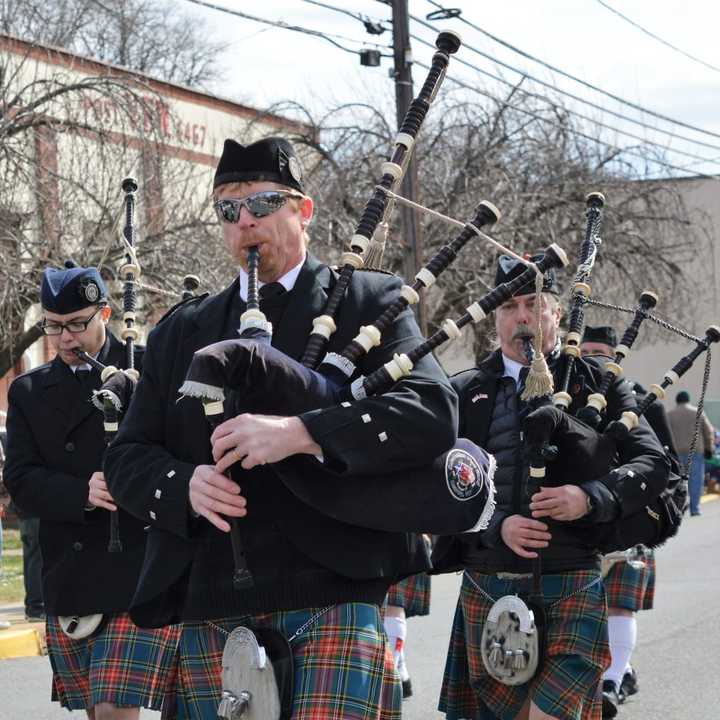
(343, 666)
(577, 652)
(121, 664)
(412, 594)
(629, 588)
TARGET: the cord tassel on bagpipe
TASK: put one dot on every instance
(630, 419)
(597, 402)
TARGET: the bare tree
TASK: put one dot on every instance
(148, 36)
(66, 142)
(533, 162)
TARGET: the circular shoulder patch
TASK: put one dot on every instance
(295, 169)
(92, 292)
(465, 478)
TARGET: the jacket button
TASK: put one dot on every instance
(70, 447)
(77, 546)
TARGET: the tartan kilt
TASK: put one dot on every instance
(122, 664)
(630, 588)
(343, 665)
(577, 652)
(412, 594)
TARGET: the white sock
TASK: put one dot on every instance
(396, 630)
(622, 631)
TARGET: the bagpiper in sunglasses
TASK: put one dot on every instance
(259, 204)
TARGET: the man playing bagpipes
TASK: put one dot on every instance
(101, 661)
(629, 582)
(313, 581)
(540, 544)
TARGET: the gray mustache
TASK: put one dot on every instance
(522, 332)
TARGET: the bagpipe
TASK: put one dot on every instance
(569, 442)
(248, 374)
(115, 393)
(118, 385)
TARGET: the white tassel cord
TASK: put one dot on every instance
(539, 381)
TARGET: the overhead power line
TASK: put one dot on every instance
(285, 26)
(586, 84)
(374, 27)
(655, 37)
(566, 93)
(573, 131)
(574, 113)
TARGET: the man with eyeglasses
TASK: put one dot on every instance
(317, 581)
(54, 472)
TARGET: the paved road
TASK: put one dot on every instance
(678, 653)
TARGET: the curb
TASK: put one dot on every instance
(26, 642)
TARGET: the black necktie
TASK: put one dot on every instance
(523, 378)
(82, 376)
(271, 291)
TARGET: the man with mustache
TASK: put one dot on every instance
(535, 522)
(317, 581)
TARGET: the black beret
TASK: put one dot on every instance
(272, 159)
(600, 334)
(682, 397)
(72, 288)
(508, 268)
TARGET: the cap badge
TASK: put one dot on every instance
(91, 292)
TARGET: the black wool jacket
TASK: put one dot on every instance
(298, 556)
(55, 442)
(641, 474)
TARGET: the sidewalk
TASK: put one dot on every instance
(21, 639)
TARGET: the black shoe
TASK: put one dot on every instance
(35, 618)
(610, 699)
(406, 688)
(629, 685)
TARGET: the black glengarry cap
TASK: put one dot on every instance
(272, 159)
(508, 268)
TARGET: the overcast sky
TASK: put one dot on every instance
(581, 37)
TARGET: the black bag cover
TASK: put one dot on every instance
(655, 524)
(253, 376)
(583, 450)
(575, 452)
(453, 495)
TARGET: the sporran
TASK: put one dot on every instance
(78, 627)
(511, 642)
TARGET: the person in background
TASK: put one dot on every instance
(682, 424)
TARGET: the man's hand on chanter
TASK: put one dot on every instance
(520, 533)
(213, 495)
(98, 493)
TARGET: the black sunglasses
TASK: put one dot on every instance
(259, 204)
(74, 326)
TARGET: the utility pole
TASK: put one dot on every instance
(411, 229)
